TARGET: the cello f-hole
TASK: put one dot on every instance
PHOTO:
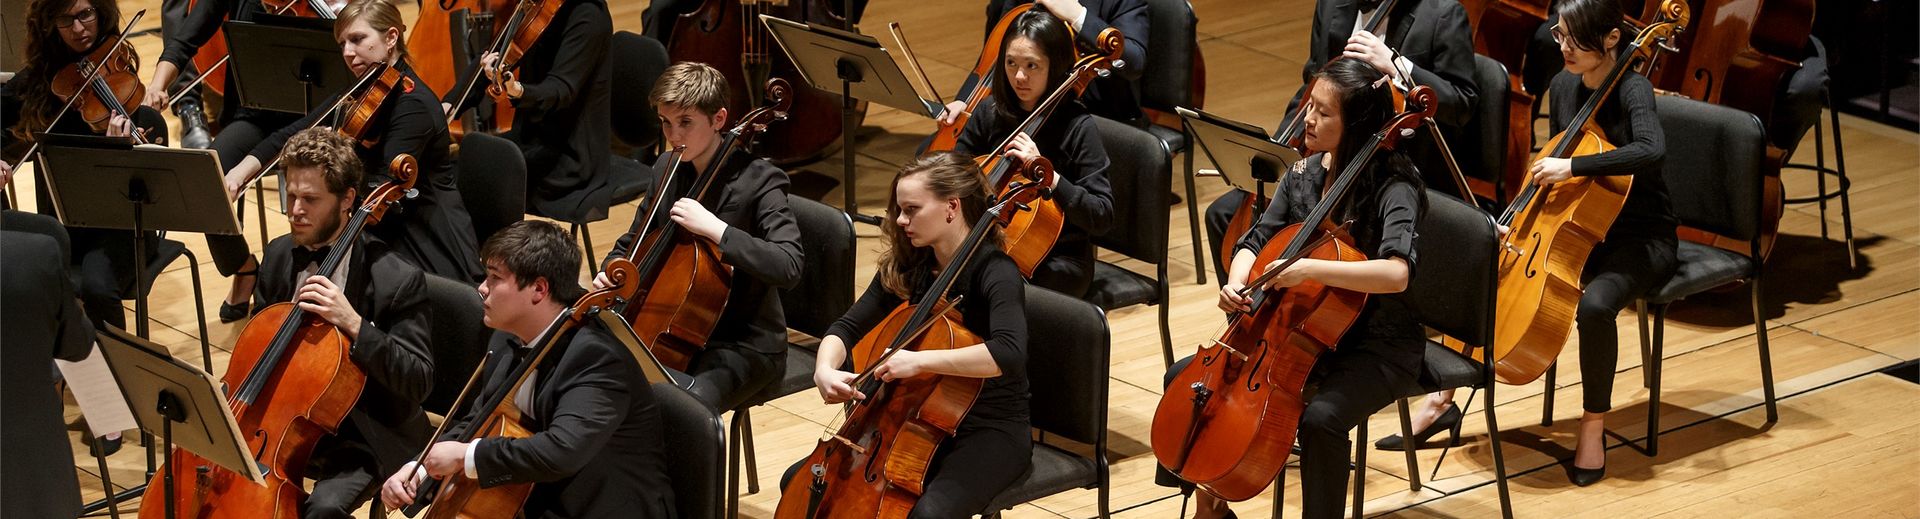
(1531, 271)
(1253, 371)
(869, 472)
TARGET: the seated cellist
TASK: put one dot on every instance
(376, 299)
(596, 446)
(1379, 356)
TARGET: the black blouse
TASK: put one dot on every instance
(1071, 142)
(994, 308)
(1629, 121)
(1384, 231)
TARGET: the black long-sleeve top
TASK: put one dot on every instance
(201, 22)
(432, 230)
(1117, 95)
(994, 309)
(1630, 123)
(762, 243)
(564, 120)
(1070, 140)
(1384, 227)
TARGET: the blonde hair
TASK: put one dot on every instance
(690, 84)
(381, 15)
(949, 176)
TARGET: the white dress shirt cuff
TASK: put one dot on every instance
(472, 472)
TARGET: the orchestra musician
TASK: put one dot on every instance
(597, 448)
(1116, 96)
(1379, 357)
(433, 230)
(1037, 56)
(376, 299)
(755, 231)
(1638, 253)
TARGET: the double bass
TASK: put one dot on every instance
(1227, 421)
(684, 284)
(1031, 234)
(728, 35)
(289, 383)
(462, 498)
(1555, 227)
(874, 465)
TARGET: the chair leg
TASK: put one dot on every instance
(1166, 337)
(1653, 400)
(200, 310)
(1646, 377)
(746, 451)
(1406, 442)
(1499, 458)
(733, 466)
(1846, 185)
(260, 207)
(586, 237)
(1279, 492)
(1766, 354)
(1360, 472)
(1546, 406)
(1819, 172)
(1193, 219)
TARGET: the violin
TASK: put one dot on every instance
(432, 54)
(875, 463)
(1031, 234)
(356, 108)
(1228, 419)
(729, 35)
(986, 69)
(103, 84)
(1555, 227)
(459, 497)
(529, 20)
(289, 383)
(685, 285)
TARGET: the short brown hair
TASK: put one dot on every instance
(690, 84)
(533, 249)
(323, 148)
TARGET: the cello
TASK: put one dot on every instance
(986, 69)
(1030, 234)
(1227, 421)
(290, 382)
(728, 35)
(1555, 227)
(685, 285)
(875, 463)
(459, 497)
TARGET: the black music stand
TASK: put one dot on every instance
(162, 391)
(1230, 144)
(106, 182)
(286, 63)
(864, 70)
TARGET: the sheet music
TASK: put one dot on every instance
(97, 393)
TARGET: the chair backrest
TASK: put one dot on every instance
(458, 339)
(1067, 363)
(826, 279)
(1141, 174)
(1454, 279)
(1483, 152)
(492, 177)
(1713, 175)
(696, 452)
(1168, 83)
(637, 61)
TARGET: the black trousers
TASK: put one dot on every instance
(1619, 271)
(971, 468)
(1068, 270)
(1347, 385)
(725, 375)
(345, 477)
(1219, 214)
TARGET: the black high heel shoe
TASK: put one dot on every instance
(230, 312)
(1584, 476)
(1448, 421)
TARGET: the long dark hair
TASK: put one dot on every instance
(1587, 23)
(47, 53)
(948, 175)
(1366, 105)
(1055, 42)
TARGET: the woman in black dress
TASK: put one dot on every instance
(1036, 56)
(1379, 356)
(432, 229)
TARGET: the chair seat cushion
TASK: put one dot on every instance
(798, 377)
(1175, 140)
(1116, 287)
(1442, 368)
(1701, 268)
(629, 183)
(1054, 471)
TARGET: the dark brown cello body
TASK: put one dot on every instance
(683, 285)
(1228, 419)
(948, 135)
(1503, 30)
(290, 382)
(728, 35)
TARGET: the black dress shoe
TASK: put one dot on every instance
(96, 446)
(193, 126)
(230, 312)
(1583, 477)
(1448, 421)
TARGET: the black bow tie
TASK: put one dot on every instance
(303, 256)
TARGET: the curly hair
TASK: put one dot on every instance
(948, 175)
(47, 53)
(323, 148)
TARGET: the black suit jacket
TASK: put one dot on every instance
(1433, 34)
(596, 448)
(390, 296)
(1116, 96)
(762, 243)
(42, 322)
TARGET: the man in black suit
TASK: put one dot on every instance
(1115, 96)
(375, 298)
(596, 448)
(42, 321)
(1424, 42)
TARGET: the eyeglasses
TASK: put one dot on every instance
(1560, 36)
(87, 15)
